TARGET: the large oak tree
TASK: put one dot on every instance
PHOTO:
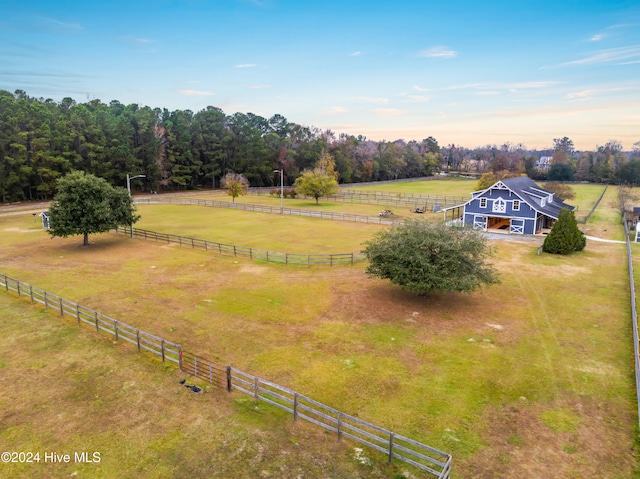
(86, 204)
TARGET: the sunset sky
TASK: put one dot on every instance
(465, 72)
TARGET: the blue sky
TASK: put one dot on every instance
(465, 72)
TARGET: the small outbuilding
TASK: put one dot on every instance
(513, 205)
(45, 219)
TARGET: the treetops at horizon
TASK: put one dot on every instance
(42, 140)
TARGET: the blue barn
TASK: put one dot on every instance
(513, 205)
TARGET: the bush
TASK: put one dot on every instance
(565, 237)
(422, 257)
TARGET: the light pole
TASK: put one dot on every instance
(129, 190)
(281, 189)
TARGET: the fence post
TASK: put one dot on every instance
(228, 378)
(31, 292)
(6, 283)
(339, 426)
(162, 349)
(210, 372)
(138, 338)
(180, 357)
(96, 316)
(255, 388)
(46, 306)
(18, 286)
(390, 447)
(78, 313)
(295, 406)
(195, 366)
(115, 327)
(61, 310)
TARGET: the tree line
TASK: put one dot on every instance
(41, 140)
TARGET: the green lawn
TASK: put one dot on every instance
(529, 378)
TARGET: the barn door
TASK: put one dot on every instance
(480, 223)
(517, 226)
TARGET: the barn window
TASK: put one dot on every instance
(516, 205)
(483, 202)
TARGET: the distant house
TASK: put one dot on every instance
(544, 163)
(513, 205)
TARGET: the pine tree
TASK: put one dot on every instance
(565, 237)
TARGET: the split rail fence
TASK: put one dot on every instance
(268, 209)
(382, 198)
(392, 445)
(246, 251)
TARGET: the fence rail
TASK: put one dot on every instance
(382, 198)
(167, 350)
(268, 209)
(246, 251)
(394, 446)
(634, 312)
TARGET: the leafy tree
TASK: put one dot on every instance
(564, 237)
(488, 179)
(421, 257)
(629, 173)
(560, 172)
(560, 190)
(235, 184)
(86, 204)
(321, 181)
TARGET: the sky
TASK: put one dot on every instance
(470, 73)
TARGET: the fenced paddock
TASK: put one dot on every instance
(268, 209)
(166, 350)
(381, 198)
(392, 445)
(245, 251)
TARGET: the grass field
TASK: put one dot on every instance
(530, 378)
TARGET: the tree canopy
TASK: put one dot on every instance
(235, 184)
(86, 204)
(320, 181)
(421, 257)
(565, 237)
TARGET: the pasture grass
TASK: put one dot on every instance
(273, 232)
(67, 390)
(528, 378)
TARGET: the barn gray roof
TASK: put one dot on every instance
(527, 190)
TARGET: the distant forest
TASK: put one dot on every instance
(42, 140)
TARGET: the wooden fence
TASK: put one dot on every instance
(634, 312)
(245, 251)
(394, 446)
(268, 209)
(584, 218)
(166, 350)
(383, 198)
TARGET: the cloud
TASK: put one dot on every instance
(379, 101)
(438, 52)
(487, 93)
(389, 112)
(355, 54)
(57, 26)
(245, 65)
(336, 110)
(195, 93)
(580, 95)
(417, 99)
(611, 55)
(597, 38)
(135, 41)
(419, 88)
